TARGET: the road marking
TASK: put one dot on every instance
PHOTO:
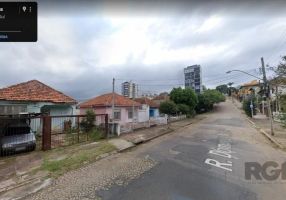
(219, 164)
(222, 150)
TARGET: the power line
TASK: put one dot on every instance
(279, 46)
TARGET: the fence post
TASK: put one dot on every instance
(106, 126)
(46, 138)
(78, 128)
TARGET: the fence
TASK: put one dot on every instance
(177, 118)
(27, 132)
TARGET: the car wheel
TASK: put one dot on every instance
(33, 147)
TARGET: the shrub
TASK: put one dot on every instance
(168, 107)
(207, 99)
(246, 107)
(183, 109)
(88, 123)
(185, 96)
(95, 134)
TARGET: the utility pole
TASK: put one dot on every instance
(268, 96)
(133, 98)
(113, 102)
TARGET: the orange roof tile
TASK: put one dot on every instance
(252, 83)
(162, 97)
(34, 90)
(147, 101)
(106, 100)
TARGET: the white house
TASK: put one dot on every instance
(148, 111)
(35, 97)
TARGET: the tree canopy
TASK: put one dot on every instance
(280, 70)
(168, 107)
(207, 99)
(222, 88)
(184, 96)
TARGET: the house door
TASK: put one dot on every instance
(151, 113)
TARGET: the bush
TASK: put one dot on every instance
(185, 96)
(88, 123)
(95, 134)
(183, 109)
(204, 104)
(168, 107)
(246, 107)
(207, 99)
(283, 103)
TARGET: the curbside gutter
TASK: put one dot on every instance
(268, 136)
(37, 184)
(170, 130)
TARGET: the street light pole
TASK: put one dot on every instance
(236, 70)
(266, 85)
(112, 108)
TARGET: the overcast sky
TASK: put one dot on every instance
(81, 47)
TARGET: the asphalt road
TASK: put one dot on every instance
(205, 161)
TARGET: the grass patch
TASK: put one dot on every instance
(96, 134)
(75, 159)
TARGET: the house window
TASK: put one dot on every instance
(130, 114)
(9, 110)
(117, 114)
(2, 110)
(12, 109)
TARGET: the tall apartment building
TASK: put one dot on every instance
(193, 78)
(129, 89)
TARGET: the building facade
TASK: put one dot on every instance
(129, 90)
(123, 107)
(35, 97)
(193, 78)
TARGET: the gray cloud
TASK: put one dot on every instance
(75, 53)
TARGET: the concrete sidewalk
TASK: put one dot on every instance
(145, 135)
(23, 174)
(262, 123)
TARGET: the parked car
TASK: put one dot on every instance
(17, 137)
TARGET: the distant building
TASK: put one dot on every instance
(148, 95)
(129, 90)
(193, 78)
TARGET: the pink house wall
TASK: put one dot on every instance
(108, 110)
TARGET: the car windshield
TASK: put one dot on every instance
(16, 129)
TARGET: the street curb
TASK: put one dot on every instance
(143, 141)
(151, 138)
(43, 178)
(103, 156)
(269, 137)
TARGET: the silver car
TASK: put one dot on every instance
(17, 137)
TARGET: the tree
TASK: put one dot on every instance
(280, 70)
(183, 109)
(207, 99)
(88, 122)
(204, 88)
(184, 96)
(204, 104)
(168, 107)
(222, 88)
